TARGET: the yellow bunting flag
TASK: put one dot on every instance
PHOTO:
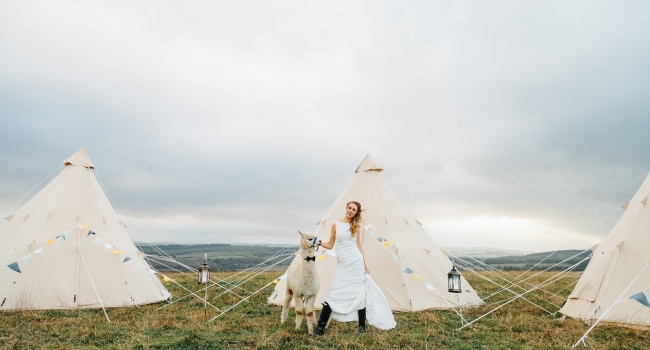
(276, 281)
(117, 251)
(166, 279)
(49, 242)
(85, 227)
(415, 277)
(322, 257)
(387, 243)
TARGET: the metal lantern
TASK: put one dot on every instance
(204, 271)
(453, 278)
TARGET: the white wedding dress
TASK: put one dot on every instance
(352, 289)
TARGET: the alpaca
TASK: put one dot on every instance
(303, 282)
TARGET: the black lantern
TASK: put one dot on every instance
(204, 271)
(453, 278)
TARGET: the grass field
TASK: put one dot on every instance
(253, 324)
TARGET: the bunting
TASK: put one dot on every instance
(166, 279)
(641, 298)
(126, 259)
(90, 232)
(14, 266)
(27, 258)
(117, 251)
(108, 246)
(139, 265)
(321, 258)
(415, 278)
(387, 244)
(97, 240)
(408, 270)
(428, 286)
(38, 251)
(49, 242)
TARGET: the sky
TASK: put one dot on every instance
(506, 124)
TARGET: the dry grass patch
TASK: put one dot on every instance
(255, 325)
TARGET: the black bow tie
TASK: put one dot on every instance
(312, 258)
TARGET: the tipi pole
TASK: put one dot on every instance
(582, 339)
(93, 284)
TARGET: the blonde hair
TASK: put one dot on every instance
(355, 226)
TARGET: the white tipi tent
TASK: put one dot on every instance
(67, 249)
(403, 260)
(618, 270)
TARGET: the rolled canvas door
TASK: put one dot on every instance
(592, 279)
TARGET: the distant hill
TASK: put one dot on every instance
(542, 260)
(221, 257)
(483, 252)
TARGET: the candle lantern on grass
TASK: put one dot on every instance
(204, 271)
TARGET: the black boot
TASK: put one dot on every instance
(362, 320)
(322, 320)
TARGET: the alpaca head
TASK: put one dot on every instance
(308, 240)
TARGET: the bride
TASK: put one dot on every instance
(353, 291)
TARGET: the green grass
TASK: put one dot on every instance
(253, 324)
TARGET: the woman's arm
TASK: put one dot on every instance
(330, 244)
(361, 250)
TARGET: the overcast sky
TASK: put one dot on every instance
(499, 123)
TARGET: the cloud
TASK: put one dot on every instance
(533, 111)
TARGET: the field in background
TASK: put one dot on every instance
(255, 325)
(230, 257)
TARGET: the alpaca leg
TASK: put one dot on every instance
(285, 306)
(309, 312)
(299, 311)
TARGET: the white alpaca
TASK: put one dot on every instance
(303, 282)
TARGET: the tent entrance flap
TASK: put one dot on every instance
(591, 280)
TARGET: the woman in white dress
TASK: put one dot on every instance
(353, 290)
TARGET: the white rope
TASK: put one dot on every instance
(584, 336)
(241, 301)
(30, 191)
(492, 270)
(95, 288)
(548, 281)
(224, 288)
(511, 291)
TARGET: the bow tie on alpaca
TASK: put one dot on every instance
(312, 258)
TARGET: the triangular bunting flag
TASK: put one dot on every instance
(90, 232)
(85, 226)
(152, 272)
(27, 259)
(380, 239)
(117, 251)
(283, 277)
(408, 270)
(108, 246)
(321, 258)
(276, 281)
(67, 235)
(415, 278)
(387, 244)
(126, 259)
(139, 265)
(331, 253)
(97, 241)
(428, 286)
(640, 297)
(14, 266)
(49, 242)
(38, 251)
(166, 279)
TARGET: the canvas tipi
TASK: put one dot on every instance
(67, 249)
(403, 260)
(617, 279)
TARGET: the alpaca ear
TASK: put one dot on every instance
(302, 234)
